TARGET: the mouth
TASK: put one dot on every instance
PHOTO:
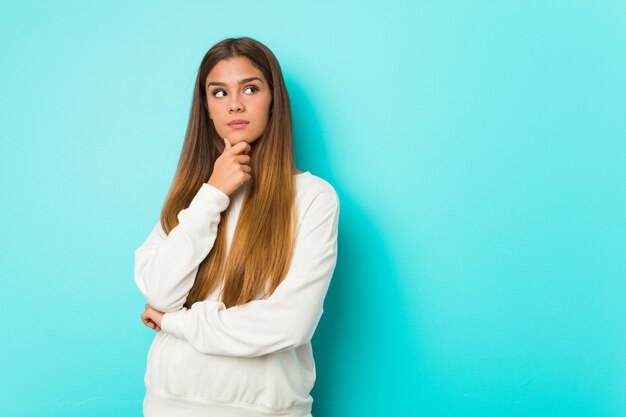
(238, 124)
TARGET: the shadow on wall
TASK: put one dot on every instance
(364, 347)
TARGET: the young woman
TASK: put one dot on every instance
(237, 267)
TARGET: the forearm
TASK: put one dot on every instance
(285, 320)
(166, 266)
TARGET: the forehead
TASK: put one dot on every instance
(231, 70)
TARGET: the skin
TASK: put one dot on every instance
(152, 318)
(250, 101)
(229, 97)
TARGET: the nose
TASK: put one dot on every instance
(236, 105)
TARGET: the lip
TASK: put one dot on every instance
(238, 123)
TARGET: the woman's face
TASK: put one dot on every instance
(237, 90)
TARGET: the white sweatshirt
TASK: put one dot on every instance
(250, 360)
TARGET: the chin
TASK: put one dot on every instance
(247, 139)
(234, 141)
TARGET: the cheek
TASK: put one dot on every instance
(213, 111)
(266, 107)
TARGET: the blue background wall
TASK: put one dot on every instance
(477, 148)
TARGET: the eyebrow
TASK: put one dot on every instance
(245, 80)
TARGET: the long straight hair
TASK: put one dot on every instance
(262, 244)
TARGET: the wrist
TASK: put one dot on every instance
(213, 184)
(173, 322)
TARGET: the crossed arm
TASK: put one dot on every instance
(288, 318)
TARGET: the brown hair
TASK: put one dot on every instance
(262, 245)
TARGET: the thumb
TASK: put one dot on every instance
(227, 144)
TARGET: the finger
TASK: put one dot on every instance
(241, 147)
(145, 316)
(150, 323)
(227, 144)
(246, 168)
(243, 159)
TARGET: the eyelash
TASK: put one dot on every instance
(219, 89)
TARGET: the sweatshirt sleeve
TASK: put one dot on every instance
(286, 319)
(166, 266)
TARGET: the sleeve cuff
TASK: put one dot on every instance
(209, 195)
(172, 323)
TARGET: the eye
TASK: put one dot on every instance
(251, 87)
(215, 93)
